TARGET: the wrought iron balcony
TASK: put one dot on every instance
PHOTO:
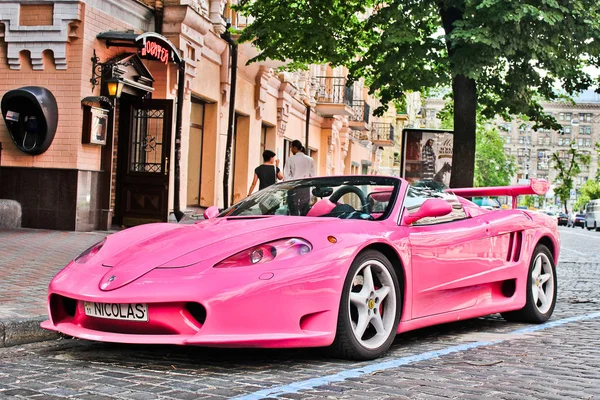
(360, 119)
(382, 134)
(333, 97)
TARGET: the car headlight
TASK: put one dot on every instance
(89, 253)
(281, 249)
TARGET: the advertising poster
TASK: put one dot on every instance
(427, 155)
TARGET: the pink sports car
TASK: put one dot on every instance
(346, 262)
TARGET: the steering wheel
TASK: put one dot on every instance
(351, 189)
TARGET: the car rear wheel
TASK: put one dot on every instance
(541, 289)
(369, 309)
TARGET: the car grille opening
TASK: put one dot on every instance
(197, 311)
(509, 287)
(62, 307)
(129, 328)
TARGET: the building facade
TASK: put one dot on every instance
(157, 112)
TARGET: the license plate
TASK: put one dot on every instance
(127, 312)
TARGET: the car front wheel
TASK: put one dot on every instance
(369, 308)
(541, 289)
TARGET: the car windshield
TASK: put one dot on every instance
(355, 197)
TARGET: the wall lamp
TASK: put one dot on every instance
(105, 73)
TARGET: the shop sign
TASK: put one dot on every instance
(156, 50)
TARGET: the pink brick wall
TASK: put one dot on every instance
(65, 85)
(69, 87)
(36, 14)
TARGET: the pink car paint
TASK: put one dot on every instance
(450, 272)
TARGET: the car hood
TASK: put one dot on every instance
(130, 261)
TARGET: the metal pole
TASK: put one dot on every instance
(234, 56)
(307, 128)
(178, 121)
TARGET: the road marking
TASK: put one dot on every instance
(308, 384)
(579, 234)
(574, 251)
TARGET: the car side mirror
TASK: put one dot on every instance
(211, 212)
(429, 209)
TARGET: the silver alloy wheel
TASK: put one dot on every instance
(372, 304)
(542, 283)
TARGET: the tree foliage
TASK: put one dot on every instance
(531, 201)
(493, 167)
(597, 147)
(589, 191)
(504, 55)
(568, 167)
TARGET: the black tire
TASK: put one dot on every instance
(346, 345)
(531, 313)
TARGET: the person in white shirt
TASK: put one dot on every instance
(299, 165)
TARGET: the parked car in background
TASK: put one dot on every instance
(592, 215)
(576, 220)
(563, 219)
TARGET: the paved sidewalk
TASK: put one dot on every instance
(29, 259)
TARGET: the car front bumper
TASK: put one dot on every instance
(292, 307)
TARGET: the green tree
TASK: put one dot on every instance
(493, 167)
(597, 146)
(504, 55)
(568, 166)
(530, 201)
(589, 191)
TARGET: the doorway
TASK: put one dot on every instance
(194, 176)
(143, 161)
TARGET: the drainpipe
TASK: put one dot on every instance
(178, 122)
(233, 49)
(307, 128)
(158, 16)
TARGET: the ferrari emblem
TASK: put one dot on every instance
(371, 304)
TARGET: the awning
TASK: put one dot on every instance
(152, 45)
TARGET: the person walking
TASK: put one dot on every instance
(299, 165)
(428, 160)
(267, 173)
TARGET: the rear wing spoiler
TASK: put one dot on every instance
(535, 187)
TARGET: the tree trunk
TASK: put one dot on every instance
(465, 126)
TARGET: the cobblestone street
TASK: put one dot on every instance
(482, 358)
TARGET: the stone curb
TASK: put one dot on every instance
(17, 331)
